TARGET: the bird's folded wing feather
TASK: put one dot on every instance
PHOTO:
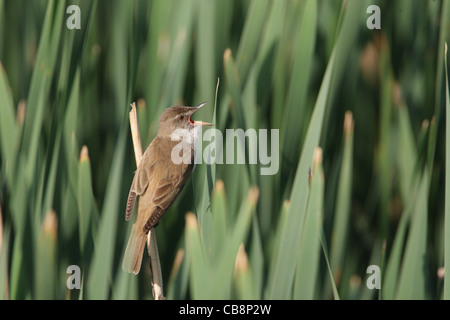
(140, 182)
(165, 194)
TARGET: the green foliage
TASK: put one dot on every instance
(377, 194)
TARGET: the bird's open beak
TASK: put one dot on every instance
(199, 123)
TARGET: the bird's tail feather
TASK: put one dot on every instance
(134, 251)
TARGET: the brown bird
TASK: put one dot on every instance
(159, 179)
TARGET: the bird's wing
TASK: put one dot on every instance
(140, 181)
(165, 194)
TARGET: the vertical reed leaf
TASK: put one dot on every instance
(8, 127)
(309, 248)
(284, 269)
(447, 180)
(412, 283)
(342, 214)
(296, 97)
(100, 274)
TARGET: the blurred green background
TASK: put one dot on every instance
(374, 194)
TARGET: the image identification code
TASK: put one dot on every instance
(228, 309)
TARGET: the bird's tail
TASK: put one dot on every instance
(134, 251)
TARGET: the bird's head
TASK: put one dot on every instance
(179, 117)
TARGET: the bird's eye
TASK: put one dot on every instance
(181, 117)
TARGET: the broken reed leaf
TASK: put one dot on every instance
(317, 158)
(241, 263)
(447, 181)
(397, 95)
(141, 104)
(253, 195)
(177, 261)
(21, 112)
(349, 124)
(219, 186)
(84, 154)
(134, 126)
(191, 221)
(46, 258)
(50, 225)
